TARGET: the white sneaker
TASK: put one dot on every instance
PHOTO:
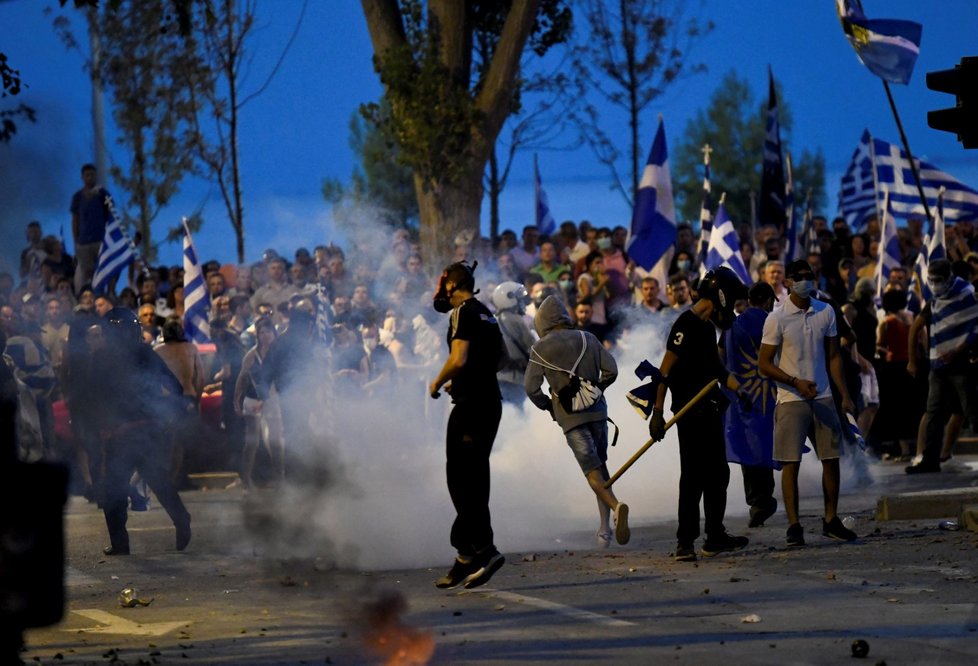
(622, 533)
(604, 538)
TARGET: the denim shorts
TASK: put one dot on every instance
(796, 421)
(589, 442)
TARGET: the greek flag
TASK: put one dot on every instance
(887, 47)
(877, 165)
(889, 248)
(934, 249)
(545, 221)
(653, 231)
(706, 216)
(324, 315)
(794, 226)
(116, 252)
(725, 247)
(197, 303)
(772, 208)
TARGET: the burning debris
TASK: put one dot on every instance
(387, 637)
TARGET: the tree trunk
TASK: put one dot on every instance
(445, 210)
(495, 189)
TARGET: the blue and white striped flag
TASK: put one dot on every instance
(706, 214)
(887, 47)
(653, 233)
(725, 246)
(795, 228)
(545, 221)
(889, 248)
(877, 165)
(772, 204)
(196, 300)
(115, 253)
(324, 315)
(934, 248)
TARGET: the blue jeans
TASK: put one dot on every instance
(589, 442)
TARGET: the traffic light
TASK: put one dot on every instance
(962, 119)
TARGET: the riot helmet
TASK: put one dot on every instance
(723, 288)
(510, 296)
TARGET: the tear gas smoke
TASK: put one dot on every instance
(379, 499)
(382, 502)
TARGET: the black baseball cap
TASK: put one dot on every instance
(798, 267)
(760, 293)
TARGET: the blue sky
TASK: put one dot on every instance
(296, 133)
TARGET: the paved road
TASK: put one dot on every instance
(907, 588)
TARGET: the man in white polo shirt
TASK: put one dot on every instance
(793, 351)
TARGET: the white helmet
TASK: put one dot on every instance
(509, 296)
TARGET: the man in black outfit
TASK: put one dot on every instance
(691, 361)
(141, 399)
(469, 376)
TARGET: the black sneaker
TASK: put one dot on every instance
(724, 543)
(685, 552)
(834, 529)
(457, 575)
(758, 517)
(112, 551)
(923, 468)
(796, 535)
(488, 563)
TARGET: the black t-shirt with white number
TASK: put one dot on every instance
(472, 321)
(694, 341)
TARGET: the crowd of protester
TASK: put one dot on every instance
(372, 303)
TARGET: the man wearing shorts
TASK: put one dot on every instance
(560, 350)
(799, 350)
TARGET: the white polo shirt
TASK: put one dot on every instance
(800, 336)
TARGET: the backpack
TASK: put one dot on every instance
(580, 393)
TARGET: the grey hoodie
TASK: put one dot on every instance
(560, 344)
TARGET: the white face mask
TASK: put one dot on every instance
(939, 287)
(604, 243)
(370, 343)
(803, 288)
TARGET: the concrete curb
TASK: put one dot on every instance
(945, 503)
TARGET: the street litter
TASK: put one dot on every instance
(129, 598)
(753, 618)
(860, 648)
(949, 525)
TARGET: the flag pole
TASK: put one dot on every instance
(906, 146)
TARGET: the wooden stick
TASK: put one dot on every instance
(678, 415)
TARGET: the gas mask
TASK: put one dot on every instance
(723, 314)
(443, 299)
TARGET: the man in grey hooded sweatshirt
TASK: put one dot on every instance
(553, 357)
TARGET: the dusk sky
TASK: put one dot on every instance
(296, 133)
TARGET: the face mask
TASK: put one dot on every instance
(683, 265)
(566, 285)
(370, 344)
(385, 336)
(803, 288)
(604, 243)
(938, 287)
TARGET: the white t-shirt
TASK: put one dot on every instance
(800, 336)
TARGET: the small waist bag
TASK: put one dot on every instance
(580, 393)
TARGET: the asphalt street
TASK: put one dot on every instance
(907, 588)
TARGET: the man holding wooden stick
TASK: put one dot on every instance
(691, 362)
